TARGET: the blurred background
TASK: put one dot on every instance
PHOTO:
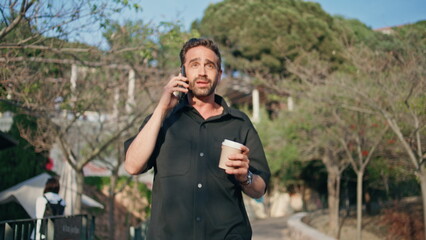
(336, 90)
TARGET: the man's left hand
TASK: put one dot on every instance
(240, 164)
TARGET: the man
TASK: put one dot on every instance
(192, 197)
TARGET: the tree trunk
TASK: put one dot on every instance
(386, 183)
(360, 176)
(111, 207)
(333, 201)
(422, 177)
(80, 183)
(337, 202)
(130, 103)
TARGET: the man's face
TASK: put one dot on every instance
(202, 71)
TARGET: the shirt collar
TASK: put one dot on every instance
(218, 99)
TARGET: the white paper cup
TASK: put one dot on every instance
(228, 147)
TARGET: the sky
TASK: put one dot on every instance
(373, 13)
(378, 13)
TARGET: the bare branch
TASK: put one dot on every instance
(359, 109)
(111, 139)
(41, 139)
(374, 146)
(394, 126)
(65, 61)
(52, 49)
(24, 8)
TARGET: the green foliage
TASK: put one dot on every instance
(98, 182)
(314, 175)
(62, 19)
(101, 182)
(353, 32)
(19, 163)
(282, 154)
(393, 180)
(292, 40)
(21, 32)
(171, 39)
(413, 33)
(156, 46)
(137, 35)
(259, 36)
(259, 39)
(143, 189)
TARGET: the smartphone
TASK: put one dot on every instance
(178, 94)
(182, 70)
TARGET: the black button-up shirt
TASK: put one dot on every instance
(192, 197)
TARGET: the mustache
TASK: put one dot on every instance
(202, 79)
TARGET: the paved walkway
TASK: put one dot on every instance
(270, 229)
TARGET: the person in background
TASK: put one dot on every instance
(49, 204)
(192, 197)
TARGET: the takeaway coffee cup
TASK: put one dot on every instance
(228, 147)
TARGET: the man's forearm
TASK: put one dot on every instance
(256, 189)
(143, 145)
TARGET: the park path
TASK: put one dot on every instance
(270, 228)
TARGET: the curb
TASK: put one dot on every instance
(300, 231)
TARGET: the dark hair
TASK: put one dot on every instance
(52, 185)
(195, 42)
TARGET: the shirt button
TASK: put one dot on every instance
(198, 219)
(200, 185)
(201, 154)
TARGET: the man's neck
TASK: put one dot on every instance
(206, 106)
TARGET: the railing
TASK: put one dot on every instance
(139, 232)
(78, 227)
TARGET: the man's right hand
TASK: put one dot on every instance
(176, 84)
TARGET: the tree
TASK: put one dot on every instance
(19, 163)
(303, 135)
(366, 78)
(57, 19)
(36, 69)
(170, 41)
(320, 143)
(280, 138)
(290, 47)
(360, 136)
(391, 83)
(259, 38)
(148, 53)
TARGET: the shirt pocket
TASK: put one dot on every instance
(173, 162)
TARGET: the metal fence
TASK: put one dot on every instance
(76, 227)
(139, 232)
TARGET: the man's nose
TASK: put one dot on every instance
(202, 71)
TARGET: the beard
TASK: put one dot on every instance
(204, 91)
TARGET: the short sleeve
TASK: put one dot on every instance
(258, 162)
(130, 140)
